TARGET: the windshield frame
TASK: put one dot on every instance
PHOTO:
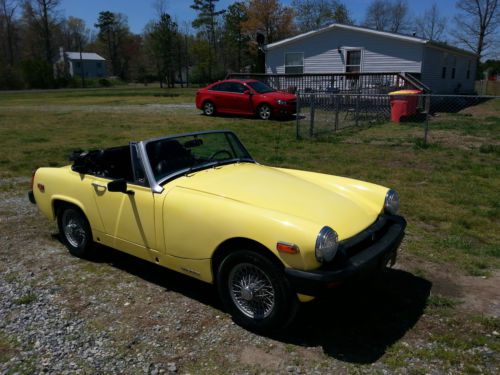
(157, 185)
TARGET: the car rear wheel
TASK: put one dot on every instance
(264, 111)
(75, 230)
(208, 108)
(255, 291)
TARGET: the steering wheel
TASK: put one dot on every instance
(220, 152)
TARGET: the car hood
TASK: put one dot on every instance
(348, 206)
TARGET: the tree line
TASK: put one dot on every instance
(216, 42)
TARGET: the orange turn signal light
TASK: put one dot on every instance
(286, 247)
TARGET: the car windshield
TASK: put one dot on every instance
(260, 87)
(188, 153)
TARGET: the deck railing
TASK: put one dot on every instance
(355, 83)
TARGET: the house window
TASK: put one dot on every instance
(443, 72)
(453, 73)
(78, 65)
(99, 65)
(294, 63)
(468, 70)
(353, 61)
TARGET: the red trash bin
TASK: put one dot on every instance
(403, 103)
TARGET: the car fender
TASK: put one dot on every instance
(63, 184)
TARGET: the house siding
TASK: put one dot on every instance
(91, 68)
(380, 54)
(433, 62)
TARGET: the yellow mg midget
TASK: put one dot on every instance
(199, 204)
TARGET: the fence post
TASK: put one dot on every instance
(357, 109)
(426, 129)
(337, 110)
(297, 115)
(311, 125)
(427, 104)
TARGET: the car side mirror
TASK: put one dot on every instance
(119, 185)
(247, 92)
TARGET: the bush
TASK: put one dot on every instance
(103, 82)
(10, 79)
(38, 74)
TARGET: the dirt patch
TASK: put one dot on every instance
(257, 357)
(450, 138)
(477, 294)
(481, 111)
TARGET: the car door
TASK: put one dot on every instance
(128, 218)
(222, 97)
(241, 101)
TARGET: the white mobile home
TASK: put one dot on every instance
(342, 48)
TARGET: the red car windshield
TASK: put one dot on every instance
(260, 87)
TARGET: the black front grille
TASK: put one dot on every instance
(365, 238)
(361, 241)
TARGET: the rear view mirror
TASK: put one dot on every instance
(119, 185)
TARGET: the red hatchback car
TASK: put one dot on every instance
(245, 97)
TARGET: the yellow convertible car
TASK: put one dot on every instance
(199, 204)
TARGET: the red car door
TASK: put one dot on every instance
(242, 100)
(222, 96)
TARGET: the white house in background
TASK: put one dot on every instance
(342, 48)
(88, 64)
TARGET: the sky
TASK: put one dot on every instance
(139, 12)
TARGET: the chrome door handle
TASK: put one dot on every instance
(98, 186)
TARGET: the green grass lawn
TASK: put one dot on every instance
(134, 94)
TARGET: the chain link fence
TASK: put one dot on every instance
(320, 114)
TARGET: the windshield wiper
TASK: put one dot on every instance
(217, 163)
(199, 167)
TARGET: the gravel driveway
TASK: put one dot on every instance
(103, 107)
(117, 314)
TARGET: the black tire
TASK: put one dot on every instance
(264, 111)
(275, 305)
(74, 230)
(208, 108)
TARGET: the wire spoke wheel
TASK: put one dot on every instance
(73, 226)
(251, 291)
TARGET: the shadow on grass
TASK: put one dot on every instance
(153, 273)
(253, 117)
(355, 323)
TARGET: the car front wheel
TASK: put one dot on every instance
(208, 108)
(75, 230)
(254, 290)
(264, 111)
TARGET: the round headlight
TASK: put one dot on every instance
(391, 203)
(326, 245)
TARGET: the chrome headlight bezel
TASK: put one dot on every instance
(327, 244)
(391, 203)
(281, 102)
